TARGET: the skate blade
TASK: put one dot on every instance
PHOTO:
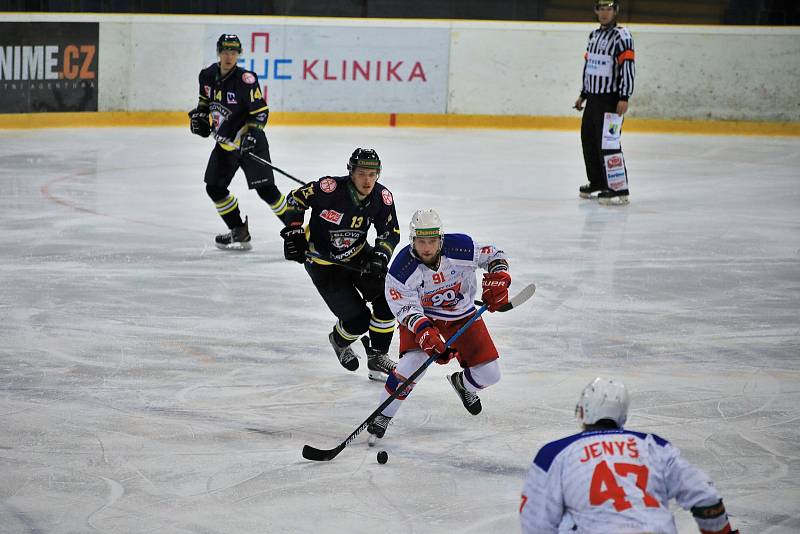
(378, 376)
(371, 440)
(614, 201)
(588, 196)
(241, 247)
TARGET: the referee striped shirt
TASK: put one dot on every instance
(609, 66)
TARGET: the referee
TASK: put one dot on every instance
(608, 74)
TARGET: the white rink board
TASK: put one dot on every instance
(485, 68)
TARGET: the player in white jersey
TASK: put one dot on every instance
(607, 479)
(430, 288)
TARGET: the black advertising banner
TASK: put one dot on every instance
(48, 66)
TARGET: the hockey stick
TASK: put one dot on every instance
(324, 455)
(226, 142)
(340, 263)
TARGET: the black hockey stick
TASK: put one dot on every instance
(227, 142)
(340, 263)
(324, 455)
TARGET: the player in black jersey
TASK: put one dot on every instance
(343, 208)
(232, 107)
(608, 76)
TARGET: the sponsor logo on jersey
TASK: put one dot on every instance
(231, 97)
(328, 185)
(248, 78)
(331, 216)
(445, 297)
(387, 197)
(614, 162)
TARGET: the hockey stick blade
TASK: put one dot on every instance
(526, 293)
(324, 455)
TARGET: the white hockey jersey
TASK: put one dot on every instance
(614, 481)
(412, 288)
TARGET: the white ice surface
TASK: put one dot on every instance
(150, 383)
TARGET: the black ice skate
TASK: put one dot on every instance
(609, 197)
(470, 400)
(379, 364)
(586, 191)
(346, 356)
(377, 427)
(237, 239)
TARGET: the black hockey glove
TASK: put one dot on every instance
(295, 243)
(377, 264)
(250, 140)
(198, 122)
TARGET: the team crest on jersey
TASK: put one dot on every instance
(231, 97)
(328, 185)
(207, 90)
(248, 78)
(387, 197)
(344, 239)
(331, 216)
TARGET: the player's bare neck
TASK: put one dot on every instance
(434, 264)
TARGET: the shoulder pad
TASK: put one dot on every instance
(382, 192)
(458, 247)
(328, 184)
(404, 265)
(248, 77)
(547, 454)
(623, 32)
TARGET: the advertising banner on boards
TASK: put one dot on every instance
(343, 68)
(48, 66)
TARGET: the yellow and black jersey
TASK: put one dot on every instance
(339, 220)
(234, 101)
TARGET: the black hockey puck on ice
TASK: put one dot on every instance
(383, 457)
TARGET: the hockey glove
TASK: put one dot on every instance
(449, 354)
(430, 339)
(198, 122)
(295, 243)
(250, 140)
(377, 264)
(495, 289)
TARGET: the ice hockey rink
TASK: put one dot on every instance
(152, 383)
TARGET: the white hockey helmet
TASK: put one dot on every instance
(603, 398)
(425, 223)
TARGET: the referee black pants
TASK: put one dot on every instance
(592, 137)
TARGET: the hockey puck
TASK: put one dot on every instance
(383, 457)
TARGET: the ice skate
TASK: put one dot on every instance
(586, 191)
(379, 364)
(377, 427)
(237, 239)
(610, 197)
(470, 400)
(346, 356)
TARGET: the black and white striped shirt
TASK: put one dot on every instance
(609, 66)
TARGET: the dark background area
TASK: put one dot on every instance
(743, 12)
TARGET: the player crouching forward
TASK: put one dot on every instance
(607, 479)
(430, 288)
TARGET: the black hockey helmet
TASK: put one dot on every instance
(366, 158)
(606, 3)
(229, 41)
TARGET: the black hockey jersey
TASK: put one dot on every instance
(233, 101)
(339, 220)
